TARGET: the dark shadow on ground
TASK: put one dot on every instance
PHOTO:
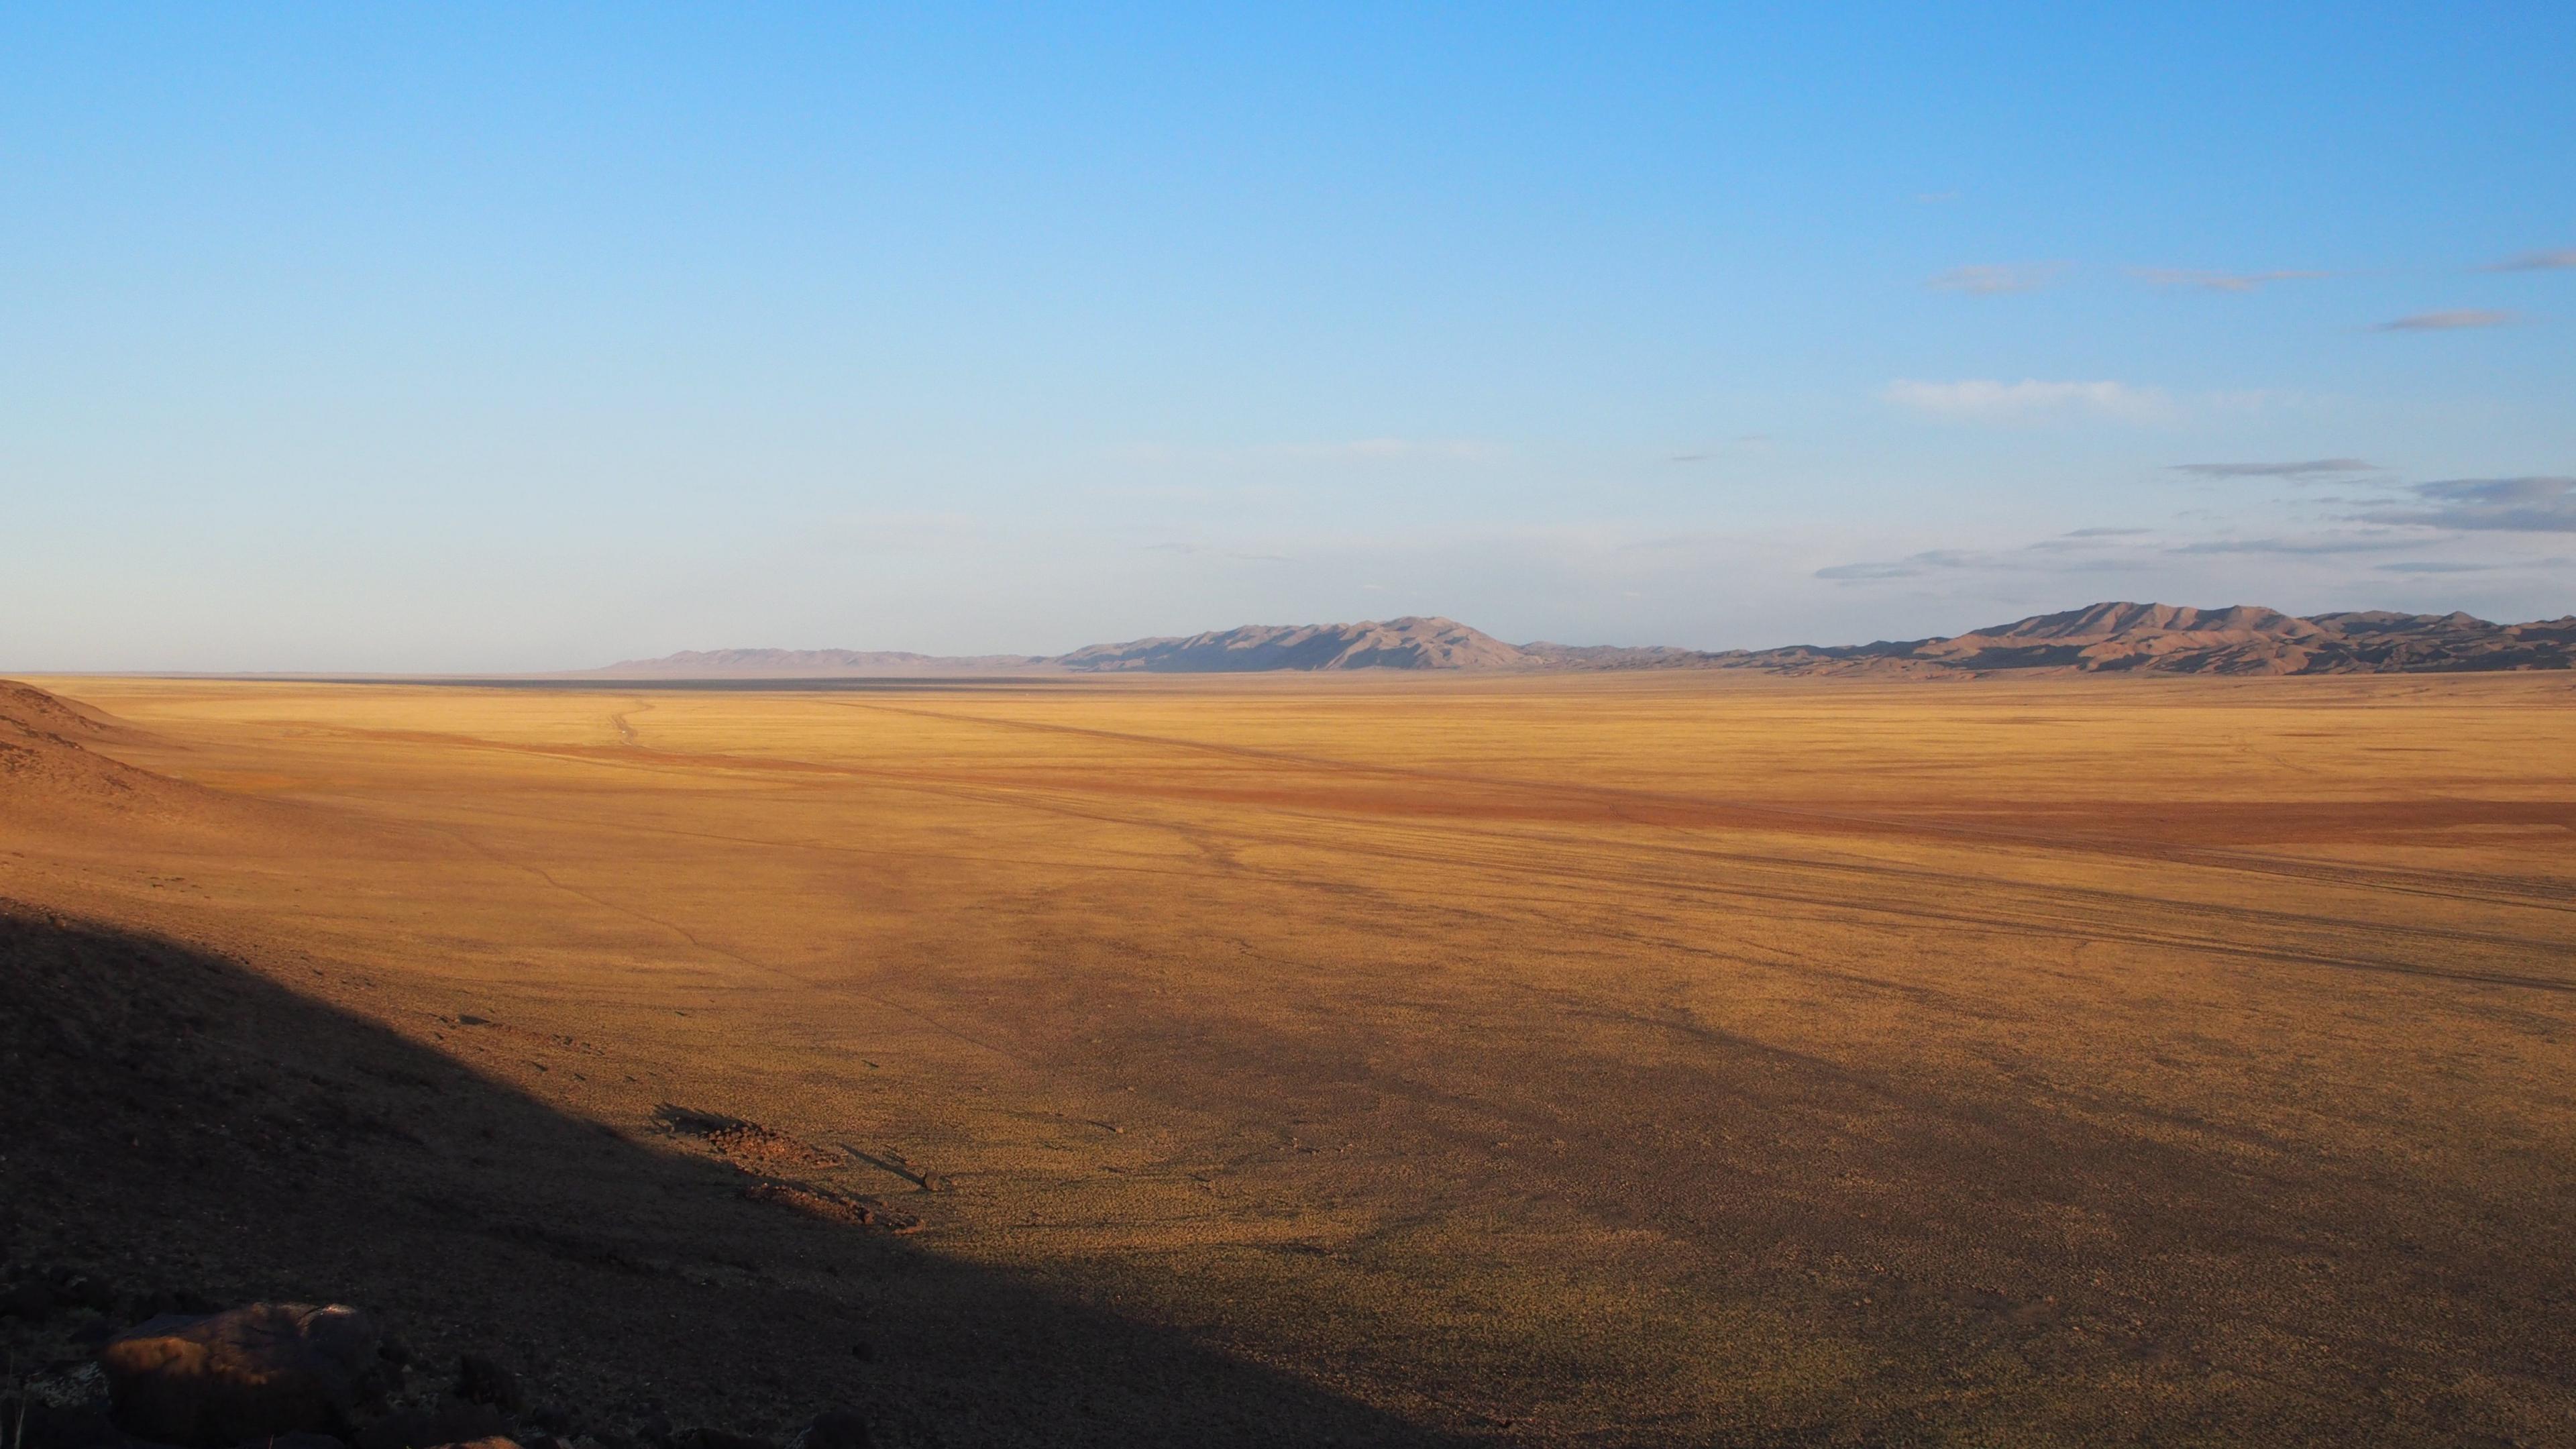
(184, 1127)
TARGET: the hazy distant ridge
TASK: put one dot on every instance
(2099, 639)
(1409, 643)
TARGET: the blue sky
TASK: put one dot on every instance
(446, 338)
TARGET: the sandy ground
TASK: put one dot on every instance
(1664, 1059)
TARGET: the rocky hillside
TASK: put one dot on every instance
(49, 760)
(2167, 639)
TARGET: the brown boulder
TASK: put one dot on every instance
(251, 1373)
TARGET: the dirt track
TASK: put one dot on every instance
(1631, 1060)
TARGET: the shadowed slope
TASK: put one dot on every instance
(183, 1126)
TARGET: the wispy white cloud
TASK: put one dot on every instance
(2299, 471)
(1913, 565)
(2508, 505)
(1991, 400)
(1995, 281)
(2219, 281)
(2090, 551)
(2457, 320)
(1866, 572)
(2537, 262)
(2434, 566)
(2309, 545)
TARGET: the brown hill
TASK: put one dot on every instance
(2168, 639)
(46, 755)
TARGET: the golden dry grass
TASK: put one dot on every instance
(1645, 1059)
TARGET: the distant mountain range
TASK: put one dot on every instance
(2102, 639)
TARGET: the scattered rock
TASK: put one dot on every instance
(67, 1388)
(480, 1380)
(833, 1429)
(831, 1207)
(251, 1373)
(62, 1409)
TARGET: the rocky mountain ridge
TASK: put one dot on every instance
(2117, 638)
(2106, 638)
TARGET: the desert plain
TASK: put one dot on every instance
(1654, 1058)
